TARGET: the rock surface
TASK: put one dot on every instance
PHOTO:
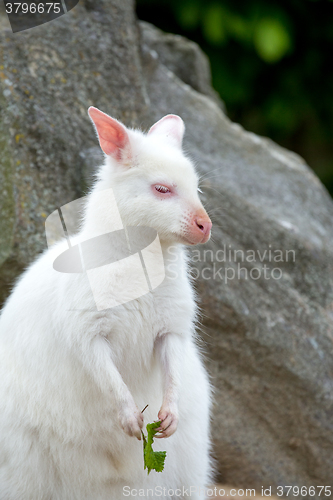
(268, 336)
(182, 57)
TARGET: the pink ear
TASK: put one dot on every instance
(172, 127)
(112, 135)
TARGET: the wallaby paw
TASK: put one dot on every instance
(131, 420)
(168, 416)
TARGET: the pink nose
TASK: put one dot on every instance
(204, 225)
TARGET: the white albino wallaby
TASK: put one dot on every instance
(74, 379)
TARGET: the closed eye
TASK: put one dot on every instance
(162, 189)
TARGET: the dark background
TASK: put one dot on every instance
(271, 64)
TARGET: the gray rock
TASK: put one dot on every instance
(182, 57)
(268, 337)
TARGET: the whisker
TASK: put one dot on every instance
(214, 189)
(214, 210)
(209, 173)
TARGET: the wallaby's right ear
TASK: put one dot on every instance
(171, 127)
(112, 135)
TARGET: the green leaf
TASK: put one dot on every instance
(152, 459)
(239, 28)
(213, 24)
(271, 40)
(188, 14)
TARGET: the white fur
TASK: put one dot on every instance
(73, 380)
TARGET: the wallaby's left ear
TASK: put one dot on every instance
(171, 127)
(112, 135)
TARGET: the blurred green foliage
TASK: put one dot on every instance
(272, 64)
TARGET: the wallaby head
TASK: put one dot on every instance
(154, 183)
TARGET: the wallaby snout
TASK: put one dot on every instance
(203, 226)
(199, 227)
